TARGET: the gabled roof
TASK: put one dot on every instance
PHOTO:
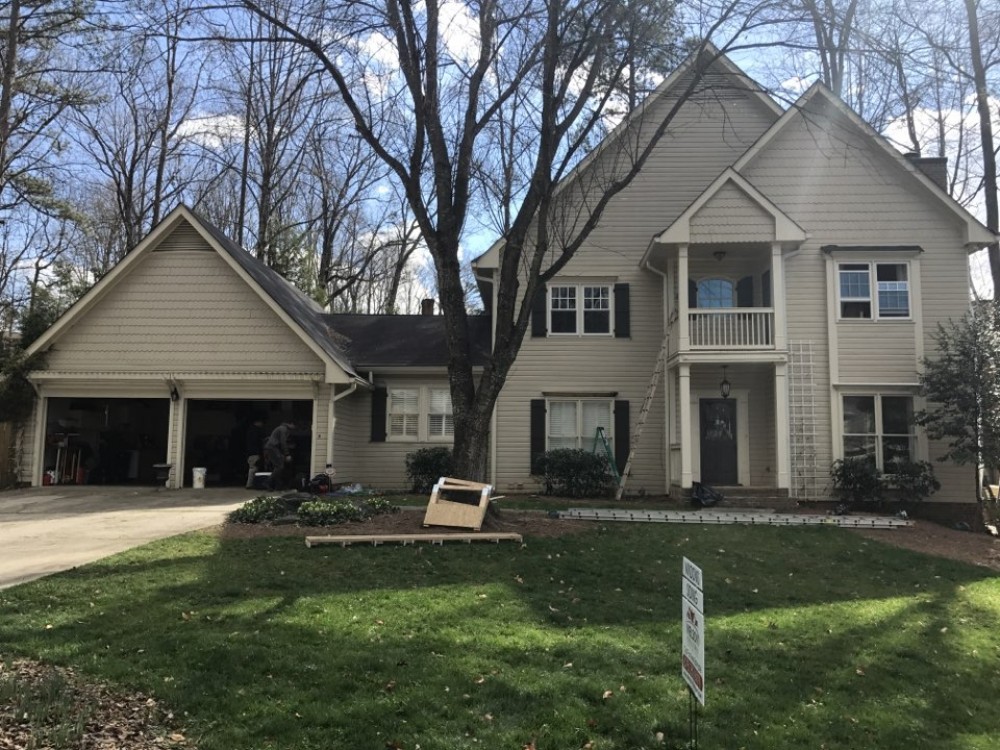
(976, 233)
(303, 315)
(373, 341)
(786, 231)
(491, 258)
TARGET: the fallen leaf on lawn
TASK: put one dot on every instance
(480, 680)
(185, 616)
(588, 745)
(519, 579)
(177, 737)
(552, 609)
(859, 671)
(529, 746)
(608, 694)
(380, 622)
(487, 717)
(390, 686)
(393, 745)
(659, 737)
(592, 723)
(567, 665)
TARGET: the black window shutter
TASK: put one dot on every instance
(379, 398)
(537, 438)
(692, 293)
(622, 312)
(538, 313)
(744, 292)
(623, 436)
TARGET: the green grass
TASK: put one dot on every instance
(817, 638)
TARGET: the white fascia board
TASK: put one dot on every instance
(786, 231)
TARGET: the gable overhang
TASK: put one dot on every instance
(977, 235)
(786, 232)
(334, 373)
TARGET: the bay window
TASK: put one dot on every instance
(873, 290)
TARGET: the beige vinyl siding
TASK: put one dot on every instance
(839, 186)
(320, 426)
(380, 465)
(353, 429)
(732, 216)
(877, 353)
(24, 446)
(701, 143)
(182, 311)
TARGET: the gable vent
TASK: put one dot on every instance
(183, 237)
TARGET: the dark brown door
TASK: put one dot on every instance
(718, 441)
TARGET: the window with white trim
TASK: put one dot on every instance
(573, 423)
(440, 422)
(874, 290)
(580, 308)
(716, 293)
(879, 427)
(403, 412)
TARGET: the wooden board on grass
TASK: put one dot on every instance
(404, 539)
(458, 502)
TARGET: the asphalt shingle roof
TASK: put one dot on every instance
(403, 340)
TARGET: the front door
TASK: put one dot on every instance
(718, 441)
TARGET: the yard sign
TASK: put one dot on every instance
(693, 629)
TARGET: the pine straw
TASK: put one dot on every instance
(43, 706)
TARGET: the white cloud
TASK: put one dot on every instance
(796, 84)
(212, 131)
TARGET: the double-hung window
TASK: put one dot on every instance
(440, 422)
(580, 308)
(404, 412)
(573, 423)
(874, 290)
(879, 427)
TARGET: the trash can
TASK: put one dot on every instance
(198, 477)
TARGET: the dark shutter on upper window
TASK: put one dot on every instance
(692, 293)
(536, 440)
(744, 292)
(538, 313)
(622, 435)
(379, 398)
(623, 315)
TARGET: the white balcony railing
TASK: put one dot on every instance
(731, 328)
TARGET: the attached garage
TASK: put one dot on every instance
(167, 359)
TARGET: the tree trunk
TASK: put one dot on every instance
(986, 135)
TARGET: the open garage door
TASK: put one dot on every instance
(105, 440)
(216, 436)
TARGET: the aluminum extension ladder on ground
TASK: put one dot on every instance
(647, 403)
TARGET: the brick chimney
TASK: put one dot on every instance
(935, 167)
(426, 307)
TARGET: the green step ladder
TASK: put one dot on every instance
(601, 441)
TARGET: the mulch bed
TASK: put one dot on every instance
(43, 706)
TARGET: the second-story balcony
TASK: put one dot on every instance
(745, 328)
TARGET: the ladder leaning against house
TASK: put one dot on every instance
(647, 403)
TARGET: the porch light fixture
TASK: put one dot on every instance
(725, 386)
(174, 395)
(719, 254)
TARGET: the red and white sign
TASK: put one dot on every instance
(693, 630)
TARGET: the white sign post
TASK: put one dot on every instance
(693, 629)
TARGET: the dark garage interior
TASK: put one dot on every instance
(105, 440)
(216, 437)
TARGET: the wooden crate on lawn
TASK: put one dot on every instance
(458, 502)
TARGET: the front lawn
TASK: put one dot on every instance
(817, 638)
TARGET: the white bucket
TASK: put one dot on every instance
(198, 477)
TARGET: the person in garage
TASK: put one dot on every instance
(278, 452)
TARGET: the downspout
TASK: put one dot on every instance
(666, 401)
(332, 423)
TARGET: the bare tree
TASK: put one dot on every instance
(449, 73)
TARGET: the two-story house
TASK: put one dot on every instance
(784, 268)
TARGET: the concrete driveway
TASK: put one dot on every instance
(47, 529)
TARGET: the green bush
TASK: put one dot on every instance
(913, 480)
(331, 512)
(857, 481)
(571, 472)
(263, 508)
(378, 505)
(328, 512)
(425, 466)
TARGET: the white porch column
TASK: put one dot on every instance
(778, 296)
(683, 339)
(782, 427)
(684, 395)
